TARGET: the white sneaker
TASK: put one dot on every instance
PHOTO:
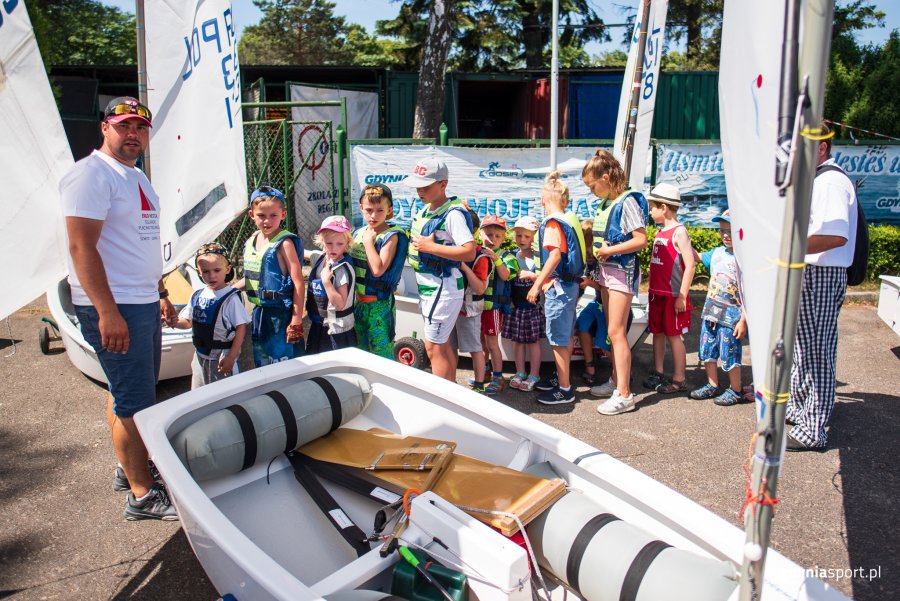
(616, 404)
(604, 390)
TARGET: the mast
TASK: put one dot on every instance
(635, 101)
(800, 111)
(554, 86)
(140, 31)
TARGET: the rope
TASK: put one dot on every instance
(865, 131)
(751, 500)
(768, 395)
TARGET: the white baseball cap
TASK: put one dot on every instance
(426, 172)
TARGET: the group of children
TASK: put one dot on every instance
(471, 295)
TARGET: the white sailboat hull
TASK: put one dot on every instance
(177, 345)
(259, 536)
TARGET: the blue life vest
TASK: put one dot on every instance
(317, 300)
(203, 322)
(382, 287)
(473, 304)
(425, 226)
(571, 263)
(265, 283)
(498, 294)
(612, 232)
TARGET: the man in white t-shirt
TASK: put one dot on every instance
(440, 238)
(115, 273)
(830, 245)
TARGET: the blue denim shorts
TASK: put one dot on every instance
(132, 376)
(559, 309)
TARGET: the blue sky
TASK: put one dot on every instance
(366, 12)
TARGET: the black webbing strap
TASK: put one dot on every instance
(580, 544)
(358, 480)
(287, 415)
(639, 567)
(248, 432)
(337, 415)
(323, 499)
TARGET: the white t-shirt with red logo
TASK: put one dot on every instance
(100, 187)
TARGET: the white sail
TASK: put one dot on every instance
(656, 31)
(34, 154)
(197, 142)
(749, 80)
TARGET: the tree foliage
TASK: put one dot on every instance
(83, 32)
(307, 32)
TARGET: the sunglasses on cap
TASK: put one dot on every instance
(128, 108)
(267, 191)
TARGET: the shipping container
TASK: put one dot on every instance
(687, 106)
(594, 104)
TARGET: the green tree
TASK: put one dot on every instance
(307, 32)
(699, 24)
(83, 32)
(872, 109)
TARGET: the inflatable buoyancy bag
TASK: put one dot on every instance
(260, 428)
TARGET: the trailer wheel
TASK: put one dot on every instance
(411, 351)
(44, 340)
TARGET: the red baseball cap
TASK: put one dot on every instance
(493, 220)
(126, 107)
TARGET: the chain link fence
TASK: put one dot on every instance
(297, 157)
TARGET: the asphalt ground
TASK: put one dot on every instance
(62, 534)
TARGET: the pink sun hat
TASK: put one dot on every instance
(335, 223)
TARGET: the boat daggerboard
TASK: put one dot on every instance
(197, 141)
(749, 80)
(656, 31)
(34, 155)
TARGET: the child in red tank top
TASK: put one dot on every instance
(671, 273)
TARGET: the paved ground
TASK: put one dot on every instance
(62, 535)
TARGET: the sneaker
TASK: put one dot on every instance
(557, 396)
(155, 506)
(120, 481)
(653, 380)
(528, 384)
(604, 390)
(707, 391)
(479, 388)
(616, 404)
(548, 383)
(727, 398)
(516, 381)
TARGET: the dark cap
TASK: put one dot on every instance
(125, 107)
(377, 190)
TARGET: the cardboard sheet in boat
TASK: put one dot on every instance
(467, 481)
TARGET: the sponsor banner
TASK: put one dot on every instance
(698, 171)
(314, 196)
(493, 181)
(197, 162)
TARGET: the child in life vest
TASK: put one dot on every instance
(620, 220)
(671, 273)
(217, 316)
(590, 322)
(467, 331)
(378, 254)
(273, 280)
(497, 301)
(525, 323)
(332, 280)
(562, 266)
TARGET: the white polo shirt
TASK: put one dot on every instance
(833, 212)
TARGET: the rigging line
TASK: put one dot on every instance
(874, 133)
(11, 339)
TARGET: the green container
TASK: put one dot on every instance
(409, 584)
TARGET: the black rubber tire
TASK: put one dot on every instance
(411, 351)
(44, 340)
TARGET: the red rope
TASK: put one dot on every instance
(752, 500)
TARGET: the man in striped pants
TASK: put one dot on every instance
(829, 247)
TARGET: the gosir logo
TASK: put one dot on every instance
(494, 170)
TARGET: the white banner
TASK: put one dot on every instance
(34, 155)
(197, 141)
(314, 197)
(494, 181)
(362, 109)
(656, 30)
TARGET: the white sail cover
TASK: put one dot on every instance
(197, 142)
(656, 31)
(34, 155)
(749, 80)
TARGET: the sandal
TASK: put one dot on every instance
(589, 377)
(671, 387)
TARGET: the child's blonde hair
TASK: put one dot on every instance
(319, 239)
(556, 189)
(603, 162)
